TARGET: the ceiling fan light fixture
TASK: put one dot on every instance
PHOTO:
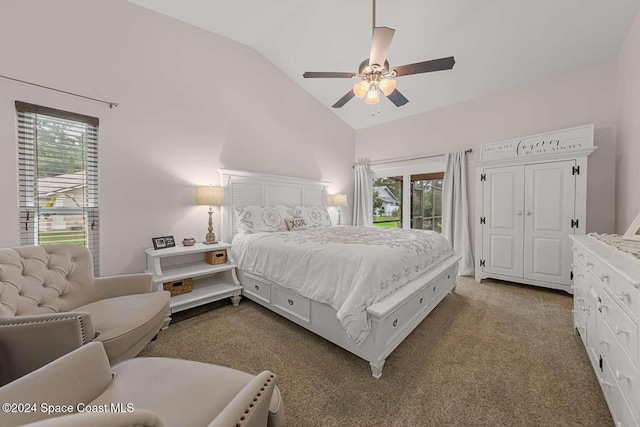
(361, 89)
(372, 96)
(387, 86)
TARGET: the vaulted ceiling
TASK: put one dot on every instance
(497, 44)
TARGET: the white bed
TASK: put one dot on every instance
(389, 319)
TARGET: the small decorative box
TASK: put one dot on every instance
(216, 257)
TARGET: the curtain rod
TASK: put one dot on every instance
(404, 159)
(109, 103)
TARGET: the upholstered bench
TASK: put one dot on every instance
(51, 304)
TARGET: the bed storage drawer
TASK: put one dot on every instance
(258, 289)
(291, 303)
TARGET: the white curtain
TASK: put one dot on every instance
(363, 196)
(455, 210)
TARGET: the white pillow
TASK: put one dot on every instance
(254, 219)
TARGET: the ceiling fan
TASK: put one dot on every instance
(375, 74)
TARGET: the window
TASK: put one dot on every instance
(58, 177)
(387, 202)
(409, 194)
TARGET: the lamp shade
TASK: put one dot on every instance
(210, 195)
(338, 200)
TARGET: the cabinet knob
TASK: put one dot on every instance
(528, 213)
(395, 323)
(421, 299)
(257, 287)
(604, 277)
(519, 213)
(290, 302)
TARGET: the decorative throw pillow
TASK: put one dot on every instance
(295, 224)
(316, 216)
(254, 219)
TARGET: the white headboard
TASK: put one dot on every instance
(242, 188)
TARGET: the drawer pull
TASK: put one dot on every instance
(589, 264)
(604, 278)
(622, 295)
(586, 309)
(580, 299)
(434, 289)
(395, 323)
(618, 331)
(603, 342)
(421, 300)
(257, 287)
(290, 301)
(580, 276)
(604, 383)
(621, 377)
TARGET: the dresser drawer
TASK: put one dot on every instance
(624, 329)
(627, 376)
(621, 290)
(622, 413)
(580, 321)
(291, 303)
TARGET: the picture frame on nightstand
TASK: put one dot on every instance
(633, 232)
(163, 242)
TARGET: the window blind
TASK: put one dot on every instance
(58, 178)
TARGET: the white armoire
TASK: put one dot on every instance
(531, 195)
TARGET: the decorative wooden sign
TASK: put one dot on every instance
(545, 143)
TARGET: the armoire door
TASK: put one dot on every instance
(549, 210)
(502, 240)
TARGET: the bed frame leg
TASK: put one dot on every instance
(376, 369)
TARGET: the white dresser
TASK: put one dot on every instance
(606, 312)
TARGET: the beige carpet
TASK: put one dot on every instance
(493, 354)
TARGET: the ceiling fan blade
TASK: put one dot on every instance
(346, 98)
(426, 66)
(327, 75)
(397, 98)
(380, 43)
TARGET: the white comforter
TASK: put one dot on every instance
(348, 268)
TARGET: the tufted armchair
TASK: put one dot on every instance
(143, 391)
(50, 304)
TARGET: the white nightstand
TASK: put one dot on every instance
(210, 282)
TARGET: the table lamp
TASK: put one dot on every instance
(211, 196)
(338, 200)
